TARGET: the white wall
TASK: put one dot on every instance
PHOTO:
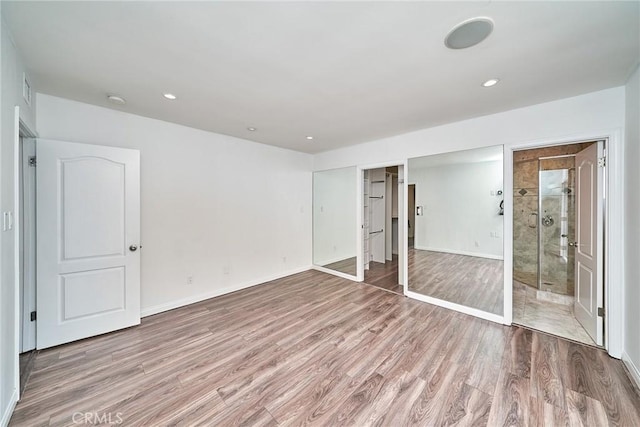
(210, 203)
(632, 226)
(459, 213)
(11, 96)
(593, 112)
(334, 215)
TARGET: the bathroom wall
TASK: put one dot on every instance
(526, 220)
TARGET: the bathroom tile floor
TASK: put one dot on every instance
(546, 316)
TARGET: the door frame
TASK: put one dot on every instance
(20, 129)
(613, 244)
(402, 213)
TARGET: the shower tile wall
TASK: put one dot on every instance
(525, 215)
(525, 220)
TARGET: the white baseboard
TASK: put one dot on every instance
(8, 411)
(633, 369)
(456, 252)
(149, 311)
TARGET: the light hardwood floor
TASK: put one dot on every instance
(466, 280)
(347, 266)
(316, 349)
(384, 275)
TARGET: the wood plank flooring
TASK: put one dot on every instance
(466, 280)
(347, 266)
(384, 275)
(313, 349)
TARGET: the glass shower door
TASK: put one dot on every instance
(557, 223)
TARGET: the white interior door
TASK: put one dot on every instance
(588, 242)
(88, 222)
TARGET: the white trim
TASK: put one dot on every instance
(149, 311)
(359, 224)
(507, 227)
(6, 416)
(16, 250)
(457, 252)
(614, 239)
(633, 369)
(456, 307)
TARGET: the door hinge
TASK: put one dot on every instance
(600, 311)
(32, 161)
(602, 162)
(33, 316)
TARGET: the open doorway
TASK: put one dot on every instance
(381, 241)
(558, 248)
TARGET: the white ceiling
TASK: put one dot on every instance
(343, 72)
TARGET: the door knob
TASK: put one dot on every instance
(133, 248)
(574, 244)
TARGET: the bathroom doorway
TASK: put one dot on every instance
(558, 240)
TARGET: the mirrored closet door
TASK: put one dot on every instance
(455, 236)
(334, 220)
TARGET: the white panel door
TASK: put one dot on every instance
(88, 234)
(588, 242)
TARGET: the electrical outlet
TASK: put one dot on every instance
(226, 269)
(189, 280)
(284, 259)
(477, 244)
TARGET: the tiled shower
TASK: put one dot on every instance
(544, 217)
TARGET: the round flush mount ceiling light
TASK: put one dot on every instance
(251, 129)
(490, 82)
(469, 33)
(170, 96)
(115, 99)
(309, 138)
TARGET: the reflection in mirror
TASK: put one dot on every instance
(455, 210)
(334, 219)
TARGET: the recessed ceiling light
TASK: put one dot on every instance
(252, 129)
(490, 82)
(469, 33)
(116, 99)
(169, 96)
(309, 137)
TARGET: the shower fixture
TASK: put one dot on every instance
(547, 221)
